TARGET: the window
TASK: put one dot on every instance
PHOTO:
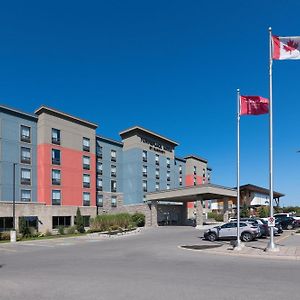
(86, 144)
(55, 157)
(145, 171)
(25, 195)
(157, 186)
(26, 176)
(86, 181)
(55, 136)
(85, 221)
(168, 162)
(113, 186)
(86, 199)
(208, 177)
(6, 223)
(157, 159)
(31, 221)
(168, 175)
(145, 156)
(56, 177)
(157, 173)
(168, 186)
(144, 185)
(64, 221)
(203, 172)
(86, 162)
(180, 169)
(100, 200)
(180, 180)
(25, 155)
(113, 171)
(99, 184)
(113, 155)
(195, 170)
(99, 167)
(25, 134)
(195, 181)
(56, 197)
(113, 201)
(99, 149)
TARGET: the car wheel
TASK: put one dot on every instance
(289, 226)
(212, 237)
(246, 237)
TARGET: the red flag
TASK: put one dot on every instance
(253, 105)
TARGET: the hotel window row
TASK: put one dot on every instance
(100, 201)
(56, 198)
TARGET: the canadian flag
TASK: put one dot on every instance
(286, 47)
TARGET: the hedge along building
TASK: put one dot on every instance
(77, 168)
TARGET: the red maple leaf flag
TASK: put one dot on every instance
(253, 105)
(286, 47)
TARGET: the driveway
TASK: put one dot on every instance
(149, 265)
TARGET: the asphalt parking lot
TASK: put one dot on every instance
(148, 265)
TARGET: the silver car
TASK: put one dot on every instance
(229, 231)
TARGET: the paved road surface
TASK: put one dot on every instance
(144, 266)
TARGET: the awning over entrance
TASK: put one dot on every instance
(192, 193)
(196, 193)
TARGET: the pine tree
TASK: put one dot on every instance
(79, 221)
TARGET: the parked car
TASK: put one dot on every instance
(229, 231)
(287, 222)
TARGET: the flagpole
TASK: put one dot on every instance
(238, 245)
(271, 245)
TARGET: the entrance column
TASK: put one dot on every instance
(154, 214)
(199, 212)
(225, 209)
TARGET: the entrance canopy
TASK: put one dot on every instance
(192, 193)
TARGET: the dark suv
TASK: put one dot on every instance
(286, 222)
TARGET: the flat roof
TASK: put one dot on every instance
(111, 141)
(135, 129)
(192, 193)
(196, 158)
(60, 114)
(18, 113)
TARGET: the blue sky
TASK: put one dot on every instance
(170, 66)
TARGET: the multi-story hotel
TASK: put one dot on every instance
(51, 163)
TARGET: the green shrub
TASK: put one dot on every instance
(24, 229)
(5, 236)
(263, 212)
(71, 230)
(61, 230)
(216, 216)
(245, 212)
(105, 222)
(79, 221)
(138, 219)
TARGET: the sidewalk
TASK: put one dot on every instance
(288, 244)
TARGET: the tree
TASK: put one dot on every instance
(263, 212)
(245, 213)
(79, 221)
(24, 228)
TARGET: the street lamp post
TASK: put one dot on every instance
(13, 234)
